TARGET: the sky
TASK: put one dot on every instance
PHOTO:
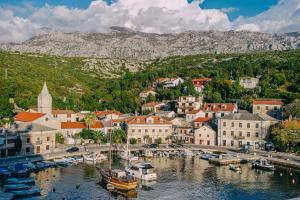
(22, 19)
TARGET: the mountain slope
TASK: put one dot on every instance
(124, 43)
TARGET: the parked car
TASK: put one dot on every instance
(146, 145)
(153, 146)
(175, 145)
(72, 149)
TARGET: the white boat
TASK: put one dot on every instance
(30, 180)
(24, 193)
(94, 158)
(16, 187)
(44, 165)
(143, 171)
(263, 165)
(235, 168)
(187, 153)
(63, 161)
(125, 155)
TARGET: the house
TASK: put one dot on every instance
(152, 107)
(38, 118)
(166, 114)
(192, 115)
(271, 107)
(70, 129)
(65, 115)
(218, 110)
(249, 82)
(187, 104)
(244, 128)
(148, 129)
(8, 142)
(168, 82)
(146, 93)
(205, 135)
(201, 121)
(107, 115)
(199, 83)
(183, 132)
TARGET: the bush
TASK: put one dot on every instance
(59, 138)
(158, 140)
(133, 141)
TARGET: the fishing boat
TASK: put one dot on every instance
(263, 165)
(235, 168)
(24, 193)
(5, 172)
(14, 187)
(44, 165)
(143, 171)
(19, 170)
(30, 180)
(94, 158)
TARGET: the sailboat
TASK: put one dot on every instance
(125, 155)
(117, 179)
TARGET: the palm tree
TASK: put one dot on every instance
(119, 136)
(146, 138)
(170, 138)
(90, 120)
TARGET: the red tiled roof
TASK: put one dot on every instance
(107, 112)
(218, 107)
(200, 81)
(267, 102)
(143, 120)
(60, 112)
(151, 104)
(79, 125)
(202, 119)
(193, 112)
(28, 116)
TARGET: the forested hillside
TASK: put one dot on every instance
(76, 85)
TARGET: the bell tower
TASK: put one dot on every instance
(45, 101)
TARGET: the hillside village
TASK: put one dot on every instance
(186, 120)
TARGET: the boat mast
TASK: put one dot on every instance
(110, 157)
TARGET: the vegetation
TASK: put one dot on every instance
(97, 136)
(118, 136)
(74, 87)
(293, 109)
(158, 141)
(133, 141)
(59, 138)
(90, 120)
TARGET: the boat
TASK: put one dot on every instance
(24, 193)
(5, 172)
(187, 153)
(30, 180)
(7, 196)
(16, 187)
(78, 159)
(63, 162)
(19, 170)
(143, 171)
(208, 156)
(94, 158)
(263, 165)
(44, 165)
(235, 168)
(125, 155)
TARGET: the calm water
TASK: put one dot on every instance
(178, 179)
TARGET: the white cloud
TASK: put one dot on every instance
(159, 16)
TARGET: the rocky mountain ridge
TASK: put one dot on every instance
(122, 43)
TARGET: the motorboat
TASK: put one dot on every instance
(235, 168)
(13, 187)
(94, 158)
(263, 165)
(30, 180)
(44, 165)
(118, 180)
(5, 172)
(187, 153)
(125, 155)
(208, 156)
(24, 193)
(143, 171)
(77, 159)
(19, 170)
(63, 161)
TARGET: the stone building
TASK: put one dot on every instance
(235, 130)
(271, 107)
(205, 135)
(187, 104)
(249, 82)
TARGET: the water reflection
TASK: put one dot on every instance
(189, 178)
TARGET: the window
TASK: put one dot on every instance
(258, 107)
(224, 142)
(267, 107)
(248, 125)
(47, 147)
(140, 130)
(232, 133)
(257, 134)
(160, 130)
(207, 136)
(240, 125)
(275, 108)
(224, 132)
(256, 125)
(208, 142)
(48, 138)
(232, 124)
(248, 134)
(166, 130)
(133, 130)
(28, 150)
(153, 130)
(28, 140)
(146, 130)
(224, 124)
(232, 143)
(240, 133)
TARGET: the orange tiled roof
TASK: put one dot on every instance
(143, 120)
(60, 112)
(200, 81)
(79, 125)
(202, 119)
(28, 116)
(151, 104)
(219, 107)
(267, 102)
(107, 112)
(193, 112)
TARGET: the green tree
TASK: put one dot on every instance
(158, 140)
(146, 138)
(293, 109)
(90, 120)
(59, 138)
(133, 141)
(99, 137)
(118, 136)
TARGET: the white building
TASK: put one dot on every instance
(205, 135)
(168, 82)
(45, 101)
(249, 82)
(187, 104)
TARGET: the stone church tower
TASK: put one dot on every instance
(45, 101)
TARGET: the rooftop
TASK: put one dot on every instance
(152, 104)
(219, 107)
(79, 125)
(28, 116)
(27, 127)
(268, 102)
(61, 112)
(107, 112)
(144, 120)
(249, 116)
(202, 119)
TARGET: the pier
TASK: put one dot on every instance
(240, 158)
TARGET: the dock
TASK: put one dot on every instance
(285, 163)
(227, 160)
